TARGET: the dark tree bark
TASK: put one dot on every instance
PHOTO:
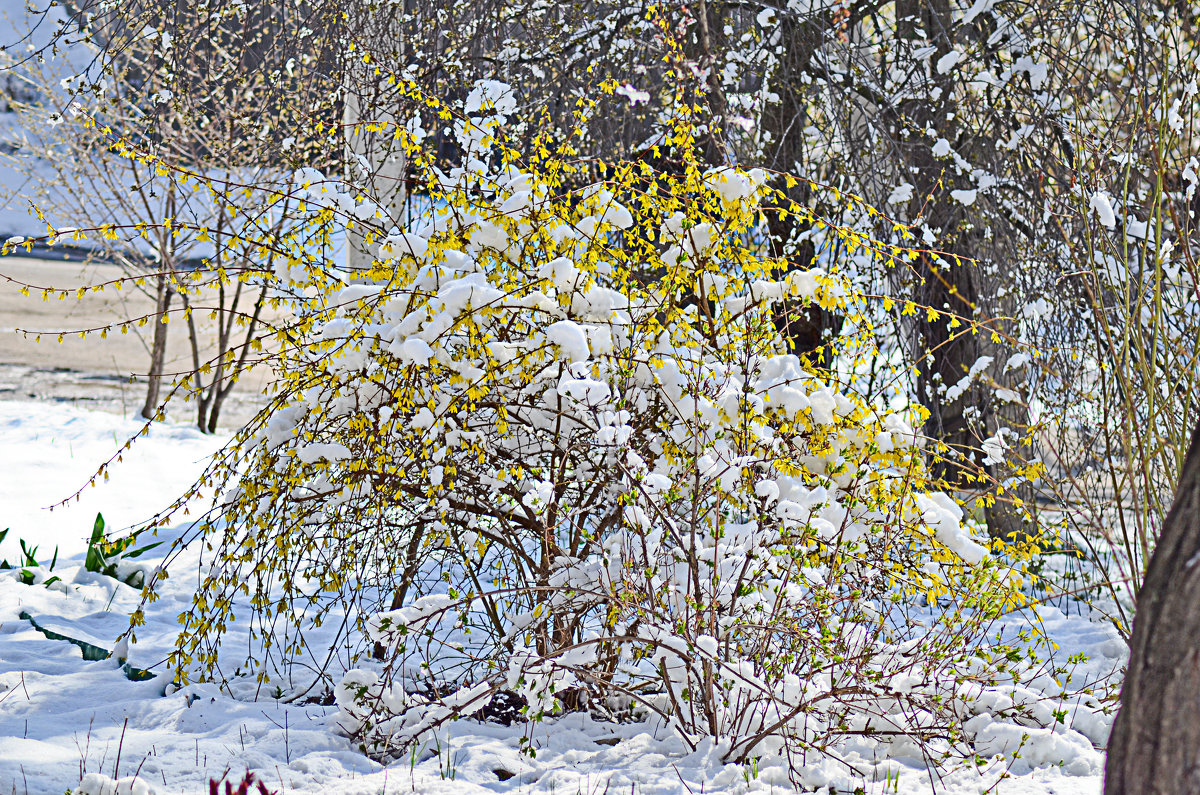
(945, 284)
(1155, 742)
(808, 328)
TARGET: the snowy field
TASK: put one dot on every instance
(64, 719)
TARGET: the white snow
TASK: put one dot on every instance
(634, 95)
(51, 452)
(570, 338)
(1101, 203)
(994, 448)
(944, 517)
(977, 8)
(1038, 72)
(964, 197)
(901, 193)
(490, 95)
(948, 61)
(734, 186)
(956, 391)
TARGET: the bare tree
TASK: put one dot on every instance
(100, 168)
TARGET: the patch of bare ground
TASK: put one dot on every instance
(90, 371)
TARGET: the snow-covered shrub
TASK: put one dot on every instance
(552, 441)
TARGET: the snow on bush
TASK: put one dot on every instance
(552, 442)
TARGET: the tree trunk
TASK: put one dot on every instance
(945, 351)
(807, 328)
(158, 349)
(374, 158)
(951, 353)
(1155, 742)
(956, 285)
(1013, 515)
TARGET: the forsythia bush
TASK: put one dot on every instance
(553, 442)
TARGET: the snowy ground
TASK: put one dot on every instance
(51, 451)
(63, 718)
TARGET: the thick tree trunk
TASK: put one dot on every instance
(1013, 515)
(808, 328)
(1155, 742)
(375, 161)
(958, 286)
(951, 352)
(946, 350)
